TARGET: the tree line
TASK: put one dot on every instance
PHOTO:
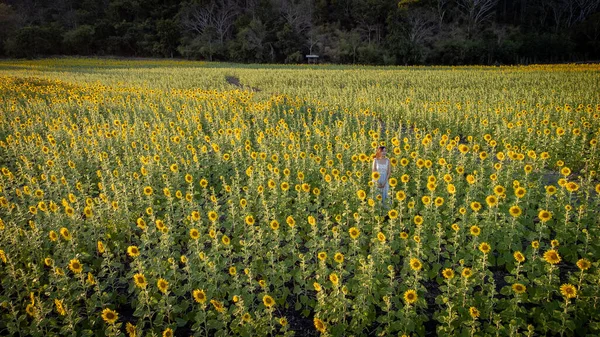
(284, 31)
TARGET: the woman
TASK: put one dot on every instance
(382, 165)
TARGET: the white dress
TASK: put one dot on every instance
(382, 168)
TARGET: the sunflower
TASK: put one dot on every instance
(466, 272)
(250, 220)
(400, 195)
(410, 296)
(354, 232)
(584, 264)
(338, 257)
(475, 230)
(455, 227)
(109, 316)
(319, 325)
(334, 279)
(162, 285)
(212, 216)
(473, 312)
(418, 220)
(535, 244)
(232, 270)
(130, 329)
(484, 247)
(148, 190)
(194, 234)
(551, 256)
(520, 192)
(199, 296)
(393, 214)
(322, 256)
(167, 333)
(64, 232)
(75, 266)
(218, 306)
(544, 215)
(290, 221)
(448, 273)
(140, 280)
(225, 239)
(60, 307)
(519, 257)
(475, 206)
(283, 321)
(568, 290)
(30, 310)
(361, 194)
(274, 225)
(317, 286)
(491, 200)
(133, 251)
(415, 264)
(403, 235)
(268, 301)
(499, 190)
(519, 288)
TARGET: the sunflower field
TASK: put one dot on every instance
(175, 198)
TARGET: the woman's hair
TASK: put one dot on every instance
(379, 151)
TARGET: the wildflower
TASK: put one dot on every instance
(59, 307)
(475, 206)
(199, 296)
(484, 247)
(448, 273)
(568, 291)
(519, 288)
(519, 257)
(334, 279)
(410, 296)
(162, 285)
(133, 251)
(319, 325)
(317, 286)
(415, 264)
(75, 266)
(354, 232)
(64, 232)
(217, 305)
(268, 301)
(473, 312)
(140, 281)
(322, 256)
(361, 194)
(130, 329)
(544, 215)
(290, 221)
(109, 316)
(584, 264)
(551, 256)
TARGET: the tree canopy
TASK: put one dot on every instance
(284, 31)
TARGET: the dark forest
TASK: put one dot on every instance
(383, 32)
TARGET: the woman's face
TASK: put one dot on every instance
(383, 152)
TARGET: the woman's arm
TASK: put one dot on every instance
(374, 166)
(389, 169)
